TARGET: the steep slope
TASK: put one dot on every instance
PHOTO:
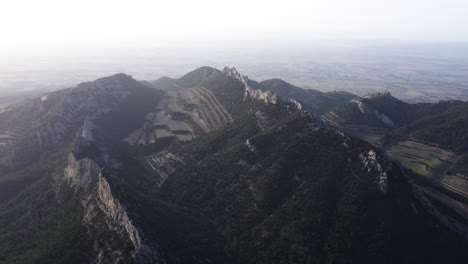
(428, 139)
(269, 188)
(163, 83)
(185, 112)
(188, 80)
(44, 124)
(294, 194)
(443, 123)
(53, 221)
(312, 100)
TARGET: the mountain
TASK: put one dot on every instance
(369, 117)
(442, 123)
(188, 80)
(428, 139)
(51, 223)
(309, 99)
(44, 124)
(214, 169)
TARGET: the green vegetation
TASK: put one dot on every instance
(425, 160)
(444, 124)
(264, 188)
(301, 196)
(461, 166)
(39, 223)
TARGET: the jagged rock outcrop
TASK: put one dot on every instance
(97, 198)
(81, 173)
(296, 103)
(377, 165)
(89, 100)
(265, 96)
(365, 109)
(144, 250)
(250, 145)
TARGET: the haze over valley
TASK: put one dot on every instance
(413, 72)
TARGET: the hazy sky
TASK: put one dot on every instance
(85, 25)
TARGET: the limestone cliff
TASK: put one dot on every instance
(265, 96)
(104, 214)
(379, 166)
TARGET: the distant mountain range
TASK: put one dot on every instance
(213, 167)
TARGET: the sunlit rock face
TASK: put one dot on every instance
(82, 173)
(376, 165)
(103, 212)
(365, 109)
(265, 96)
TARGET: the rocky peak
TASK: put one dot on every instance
(257, 94)
(233, 73)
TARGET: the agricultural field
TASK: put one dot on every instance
(429, 161)
(457, 184)
(180, 114)
(457, 206)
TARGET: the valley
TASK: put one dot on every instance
(429, 161)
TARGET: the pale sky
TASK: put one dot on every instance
(85, 25)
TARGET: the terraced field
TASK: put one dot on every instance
(459, 207)
(211, 110)
(423, 159)
(159, 125)
(180, 114)
(457, 184)
(372, 134)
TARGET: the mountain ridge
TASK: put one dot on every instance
(219, 171)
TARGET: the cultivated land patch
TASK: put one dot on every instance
(456, 183)
(429, 161)
(459, 207)
(180, 114)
